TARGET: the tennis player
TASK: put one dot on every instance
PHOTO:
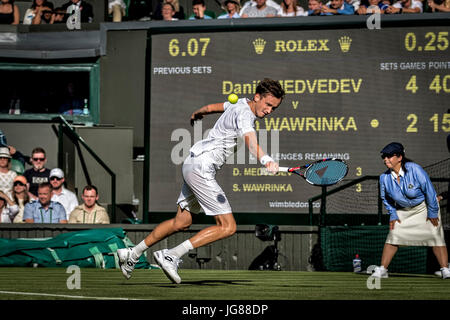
(200, 189)
(411, 201)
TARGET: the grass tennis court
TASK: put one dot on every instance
(99, 284)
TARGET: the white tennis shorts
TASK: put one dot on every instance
(200, 189)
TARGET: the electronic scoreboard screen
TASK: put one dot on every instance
(349, 92)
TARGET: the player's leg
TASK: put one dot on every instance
(128, 257)
(224, 228)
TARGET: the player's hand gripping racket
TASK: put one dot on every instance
(324, 172)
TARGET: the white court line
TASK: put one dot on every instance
(64, 296)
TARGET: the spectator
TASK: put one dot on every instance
(39, 173)
(269, 3)
(168, 12)
(72, 103)
(9, 12)
(179, 10)
(33, 14)
(20, 196)
(439, 5)
(60, 194)
(289, 8)
(87, 13)
(59, 16)
(314, 8)
(8, 209)
(405, 6)
(44, 210)
(6, 175)
(373, 6)
(199, 8)
(232, 8)
(89, 211)
(338, 7)
(117, 9)
(259, 11)
(15, 154)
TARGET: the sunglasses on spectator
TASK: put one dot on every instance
(55, 178)
(38, 159)
(18, 183)
(387, 155)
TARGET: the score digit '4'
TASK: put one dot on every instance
(438, 84)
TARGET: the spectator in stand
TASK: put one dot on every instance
(9, 12)
(168, 12)
(117, 9)
(59, 16)
(89, 211)
(87, 13)
(250, 3)
(33, 15)
(6, 174)
(405, 6)
(60, 194)
(314, 8)
(337, 7)
(261, 10)
(232, 8)
(179, 10)
(39, 173)
(439, 5)
(8, 208)
(290, 8)
(72, 103)
(199, 8)
(44, 210)
(20, 196)
(373, 6)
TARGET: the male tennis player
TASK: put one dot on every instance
(200, 189)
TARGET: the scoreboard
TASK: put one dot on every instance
(349, 92)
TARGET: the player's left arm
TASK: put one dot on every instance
(208, 109)
(251, 142)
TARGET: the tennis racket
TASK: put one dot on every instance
(324, 172)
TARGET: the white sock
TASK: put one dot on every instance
(138, 250)
(181, 249)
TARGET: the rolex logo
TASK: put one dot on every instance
(259, 45)
(345, 43)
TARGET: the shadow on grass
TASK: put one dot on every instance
(211, 283)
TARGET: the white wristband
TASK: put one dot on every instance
(265, 159)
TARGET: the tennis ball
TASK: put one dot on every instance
(233, 98)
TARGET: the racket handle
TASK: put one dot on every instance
(283, 169)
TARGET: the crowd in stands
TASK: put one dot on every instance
(44, 12)
(39, 195)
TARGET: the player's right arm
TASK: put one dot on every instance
(208, 109)
(252, 144)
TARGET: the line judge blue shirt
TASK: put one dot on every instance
(415, 186)
(55, 212)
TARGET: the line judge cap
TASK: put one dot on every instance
(393, 148)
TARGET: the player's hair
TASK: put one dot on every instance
(269, 86)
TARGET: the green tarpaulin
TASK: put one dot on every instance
(94, 248)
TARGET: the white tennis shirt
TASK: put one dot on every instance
(236, 120)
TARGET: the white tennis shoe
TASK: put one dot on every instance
(169, 264)
(126, 263)
(440, 273)
(380, 272)
(444, 273)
